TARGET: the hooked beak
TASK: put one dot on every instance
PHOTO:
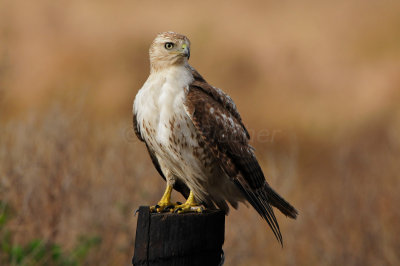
(185, 51)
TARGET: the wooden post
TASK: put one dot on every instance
(179, 239)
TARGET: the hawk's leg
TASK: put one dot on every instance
(189, 206)
(165, 202)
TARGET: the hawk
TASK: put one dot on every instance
(197, 140)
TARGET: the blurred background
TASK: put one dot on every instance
(317, 84)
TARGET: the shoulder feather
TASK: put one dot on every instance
(218, 95)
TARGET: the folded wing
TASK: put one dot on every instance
(216, 118)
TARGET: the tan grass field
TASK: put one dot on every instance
(317, 84)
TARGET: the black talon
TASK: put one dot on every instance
(157, 207)
(179, 209)
(136, 211)
(179, 203)
(169, 207)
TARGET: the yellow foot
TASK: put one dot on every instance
(165, 203)
(189, 206)
(184, 208)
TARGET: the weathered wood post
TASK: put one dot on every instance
(179, 239)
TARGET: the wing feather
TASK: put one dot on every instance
(215, 116)
(136, 128)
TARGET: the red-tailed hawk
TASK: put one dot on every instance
(197, 140)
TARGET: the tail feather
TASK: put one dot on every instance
(280, 203)
(262, 199)
(258, 199)
(268, 214)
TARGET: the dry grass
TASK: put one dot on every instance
(317, 84)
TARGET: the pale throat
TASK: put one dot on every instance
(174, 78)
(159, 65)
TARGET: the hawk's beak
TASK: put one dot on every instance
(185, 51)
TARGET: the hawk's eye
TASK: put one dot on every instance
(169, 45)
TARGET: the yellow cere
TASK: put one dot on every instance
(184, 46)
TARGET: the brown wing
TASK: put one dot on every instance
(219, 96)
(217, 119)
(179, 185)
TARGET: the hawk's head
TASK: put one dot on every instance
(169, 48)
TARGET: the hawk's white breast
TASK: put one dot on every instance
(160, 99)
(165, 125)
